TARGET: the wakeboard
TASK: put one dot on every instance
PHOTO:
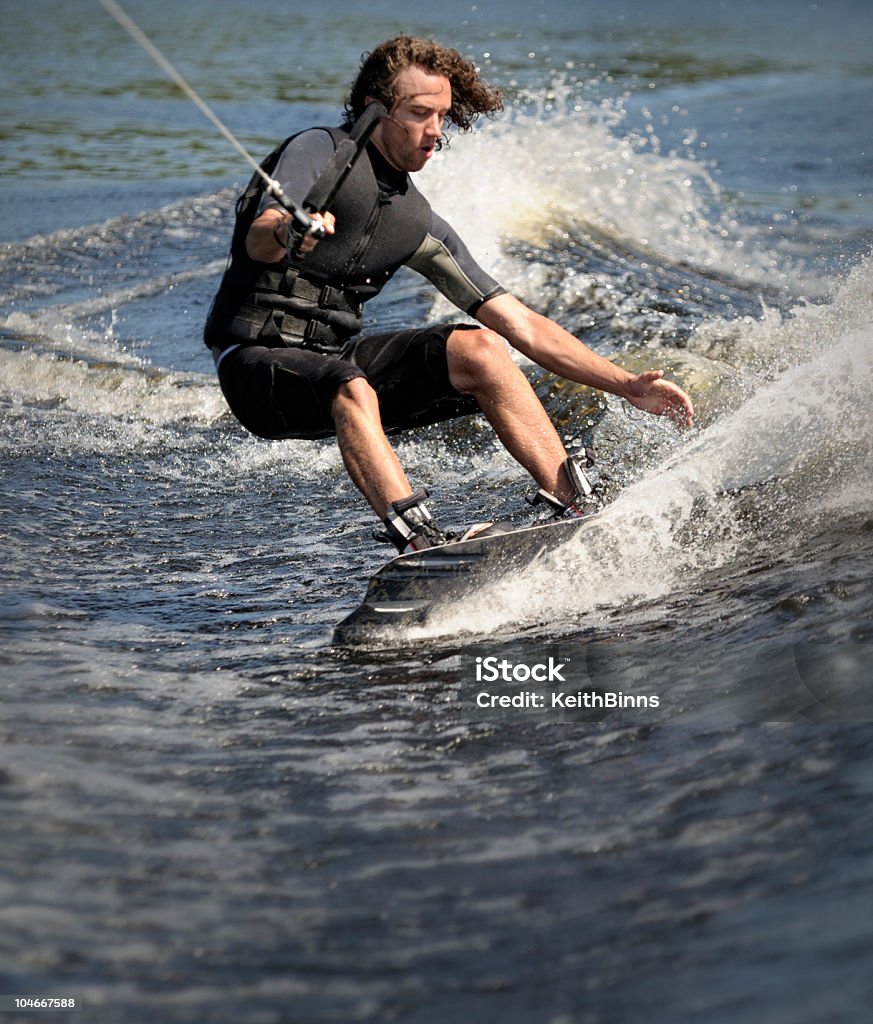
(409, 590)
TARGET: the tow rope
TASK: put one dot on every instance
(326, 186)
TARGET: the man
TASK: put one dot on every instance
(284, 326)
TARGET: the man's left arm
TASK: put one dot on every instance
(546, 343)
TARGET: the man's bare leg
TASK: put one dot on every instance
(369, 459)
(481, 366)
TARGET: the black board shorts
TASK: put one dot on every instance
(280, 393)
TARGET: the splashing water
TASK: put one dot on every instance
(797, 453)
(575, 167)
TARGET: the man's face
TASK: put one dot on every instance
(407, 138)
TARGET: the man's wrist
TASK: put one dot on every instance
(281, 242)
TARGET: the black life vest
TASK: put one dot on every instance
(317, 300)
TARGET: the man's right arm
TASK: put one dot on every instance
(302, 160)
(267, 239)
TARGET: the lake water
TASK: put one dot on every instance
(211, 811)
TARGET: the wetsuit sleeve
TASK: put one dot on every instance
(446, 262)
(300, 164)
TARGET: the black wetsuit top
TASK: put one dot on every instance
(383, 223)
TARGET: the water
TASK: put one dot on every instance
(213, 813)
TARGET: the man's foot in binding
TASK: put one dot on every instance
(587, 499)
(409, 526)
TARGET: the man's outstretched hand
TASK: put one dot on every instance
(650, 392)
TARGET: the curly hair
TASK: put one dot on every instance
(471, 96)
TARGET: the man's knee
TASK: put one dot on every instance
(355, 397)
(476, 356)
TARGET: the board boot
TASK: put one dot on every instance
(409, 525)
(586, 500)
